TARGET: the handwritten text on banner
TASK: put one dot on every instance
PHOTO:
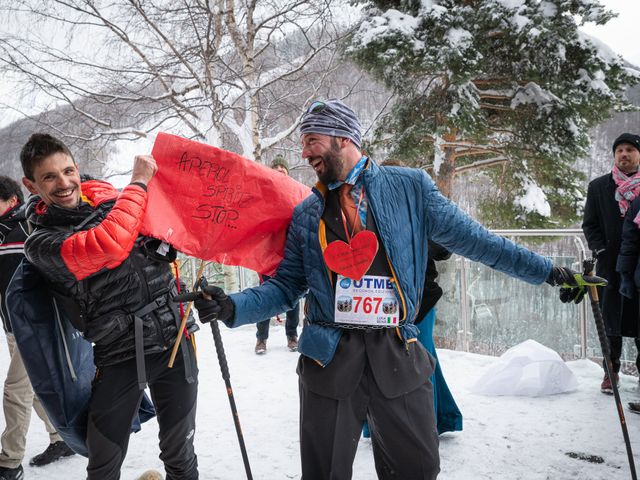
(216, 205)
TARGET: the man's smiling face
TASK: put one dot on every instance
(56, 180)
(324, 154)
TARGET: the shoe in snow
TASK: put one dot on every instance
(634, 407)
(55, 451)
(261, 347)
(606, 386)
(151, 475)
(11, 473)
(292, 344)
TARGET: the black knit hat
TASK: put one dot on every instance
(627, 138)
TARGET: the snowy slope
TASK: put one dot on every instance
(504, 438)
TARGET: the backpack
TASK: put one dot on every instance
(58, 360)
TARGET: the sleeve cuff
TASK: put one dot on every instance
(140, 184)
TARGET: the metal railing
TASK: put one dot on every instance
(485, 311)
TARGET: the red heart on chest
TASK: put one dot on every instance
(352, 259)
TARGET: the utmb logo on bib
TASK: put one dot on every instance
(376, 283)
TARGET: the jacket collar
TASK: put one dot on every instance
(370, 171)
(17, 211)
(94, 194)
(10, 219)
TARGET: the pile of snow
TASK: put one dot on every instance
(528, 369)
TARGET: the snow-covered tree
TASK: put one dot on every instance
(233, 73)
(508, 88)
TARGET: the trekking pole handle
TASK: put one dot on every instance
(215, 330)
(588, 266)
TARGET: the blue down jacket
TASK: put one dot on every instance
(408, 210)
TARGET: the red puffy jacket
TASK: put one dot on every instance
(94, 255)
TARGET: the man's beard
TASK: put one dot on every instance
(332, 164)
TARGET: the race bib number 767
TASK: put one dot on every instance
(368, 301)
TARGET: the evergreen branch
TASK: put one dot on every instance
(473, 152)
(481, 164)
(490, 106)
(493, 96)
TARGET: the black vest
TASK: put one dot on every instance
(332, 217)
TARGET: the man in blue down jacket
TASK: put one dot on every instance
(352, 366)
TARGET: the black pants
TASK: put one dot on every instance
(115, 398)
(403, 432)
(615, 345)
(290, 326)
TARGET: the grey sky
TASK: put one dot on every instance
(617, 34)
(620, 32)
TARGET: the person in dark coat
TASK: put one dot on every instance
(18, 398)
(608, 199)
(448, 415)
(628, 265)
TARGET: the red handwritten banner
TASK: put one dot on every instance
(216, 205)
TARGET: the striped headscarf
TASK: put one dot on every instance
(333, 118)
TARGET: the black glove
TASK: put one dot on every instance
(211, 302)
(574, 295)
(573, 284)
(627, 286)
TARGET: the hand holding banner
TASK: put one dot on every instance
(216, 205)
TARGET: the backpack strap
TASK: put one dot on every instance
(139, 337)
(139, 343)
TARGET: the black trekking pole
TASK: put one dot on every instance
(608, 366)
(224, 368)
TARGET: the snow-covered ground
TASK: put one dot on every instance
(504, 438)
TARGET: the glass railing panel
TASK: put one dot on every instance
(503, 311)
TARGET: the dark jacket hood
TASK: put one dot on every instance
(9, 220)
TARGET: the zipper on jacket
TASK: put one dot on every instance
(394, 280)
(142, 280)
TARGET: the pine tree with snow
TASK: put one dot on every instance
(508, 88)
